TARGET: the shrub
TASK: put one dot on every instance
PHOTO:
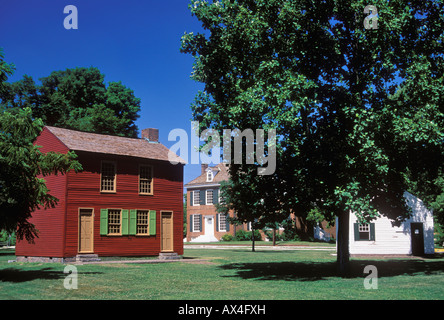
(7, 238)
(227, 237)
(278, 236)
(242, 235)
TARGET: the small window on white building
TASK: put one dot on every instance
(364, 231)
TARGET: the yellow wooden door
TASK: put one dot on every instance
(167, 231)
(86, 232)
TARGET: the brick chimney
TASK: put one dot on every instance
(151, 134)
(204, 167)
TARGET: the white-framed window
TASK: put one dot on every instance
(222, 222)
(364, 232)
(210, 176)
(196, 198)
(209, 196)
(196, 223)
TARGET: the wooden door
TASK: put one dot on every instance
(417, 234)
(86, 230)
(167, 231)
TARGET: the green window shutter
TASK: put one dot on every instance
(152, 223)
(191, 198)
(372, 232)
(103, 222)
(133, 222)
(125, 222)
(356, 228)
(217, 221)
(228, 223)
(202, 197)
(215, 196)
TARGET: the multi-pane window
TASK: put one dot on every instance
(222, 222)
(196, 198)
(108, 177)
(142, 222)
(209, 176)
(196, 223)
(364, 232)
(114, 221)
(209, 196)
(146, 180)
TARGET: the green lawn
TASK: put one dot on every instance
(227, 275)
(266, 243)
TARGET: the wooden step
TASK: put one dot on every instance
(169, 256)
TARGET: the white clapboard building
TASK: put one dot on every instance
(380, 237)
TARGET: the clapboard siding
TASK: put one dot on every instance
(59, 226)
(391, 239)
(49, 222)
(84, 192)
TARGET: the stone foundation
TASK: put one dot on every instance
(78, 258)
(43, 259)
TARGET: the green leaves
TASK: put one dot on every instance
(5, 70)
(77, 99)
(21, 191)
(359, 112)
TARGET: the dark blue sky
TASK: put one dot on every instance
(133, 41)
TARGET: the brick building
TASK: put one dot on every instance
(204, 223)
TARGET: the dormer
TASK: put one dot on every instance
(210, 175)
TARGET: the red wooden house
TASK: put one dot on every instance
(127, 200)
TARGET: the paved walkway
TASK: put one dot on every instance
(261, 247)
(140, 261)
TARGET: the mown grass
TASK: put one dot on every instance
(227, 275)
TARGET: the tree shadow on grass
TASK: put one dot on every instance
(314, 271)
(7, 252)
(17, 275)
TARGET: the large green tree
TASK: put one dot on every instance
(77, 99)
(358, 111)
(23, 167)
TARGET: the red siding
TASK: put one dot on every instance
(49, 222)
(49, 142)
(84, 192)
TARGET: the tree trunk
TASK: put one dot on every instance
(343, 252)
(252, 238)
(274, 236)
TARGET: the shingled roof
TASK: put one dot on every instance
(108, 144)
(220, 174)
